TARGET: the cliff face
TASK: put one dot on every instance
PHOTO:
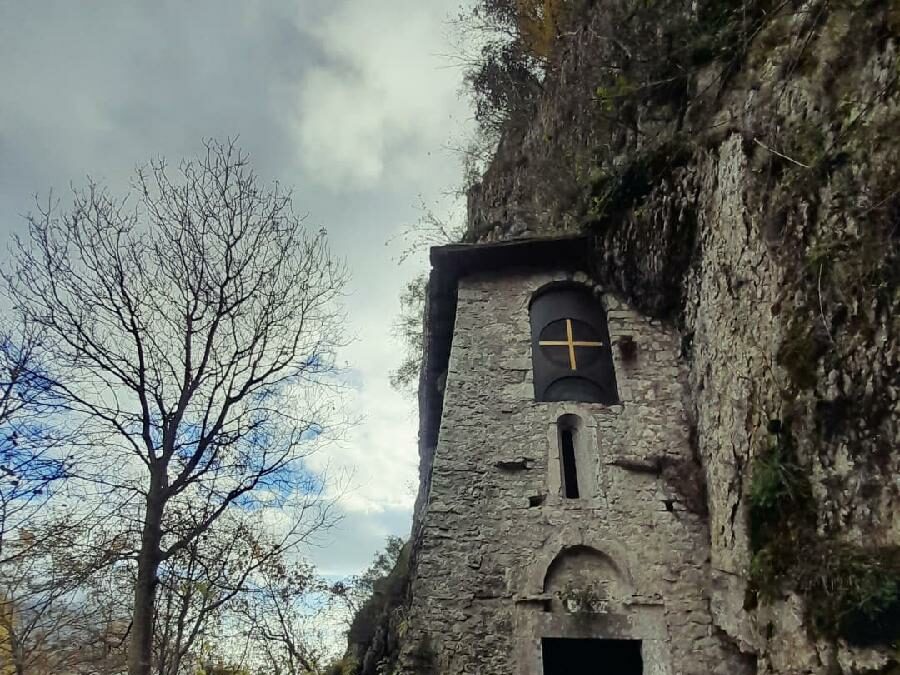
(737, 168)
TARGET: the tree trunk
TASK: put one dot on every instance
(17, 652)
(140, 648)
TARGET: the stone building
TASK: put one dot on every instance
(561, 524)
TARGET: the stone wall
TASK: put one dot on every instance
(501, 559)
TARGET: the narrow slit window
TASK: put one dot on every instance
(567, 457)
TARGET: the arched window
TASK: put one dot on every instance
(570, 347)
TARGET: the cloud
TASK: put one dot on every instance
(100, 87)
(348, 548)
(372, 468)
(350, 94)
(386, 90)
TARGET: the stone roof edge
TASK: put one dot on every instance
(451, 263)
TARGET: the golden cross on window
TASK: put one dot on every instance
(571, 343)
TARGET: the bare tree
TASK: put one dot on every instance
(190, 328)
(31, 464)
(431, 229)
(219, 574)
(284, 617)
(30, 457)
(504, 49)
(51, 616)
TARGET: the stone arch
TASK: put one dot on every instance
(570, 538)
(581, 578)
(572, 554)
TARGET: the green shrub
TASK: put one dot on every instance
(850, 592)
(780, 494)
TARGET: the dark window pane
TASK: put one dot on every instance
(573, 389)
(570, 347)
(567, 453)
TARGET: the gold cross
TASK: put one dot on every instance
(570, 343)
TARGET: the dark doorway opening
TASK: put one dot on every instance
(568, 656)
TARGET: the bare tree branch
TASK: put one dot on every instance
(189, 329)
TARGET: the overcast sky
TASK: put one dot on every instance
(352, 102)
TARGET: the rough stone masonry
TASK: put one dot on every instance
(502, 559)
